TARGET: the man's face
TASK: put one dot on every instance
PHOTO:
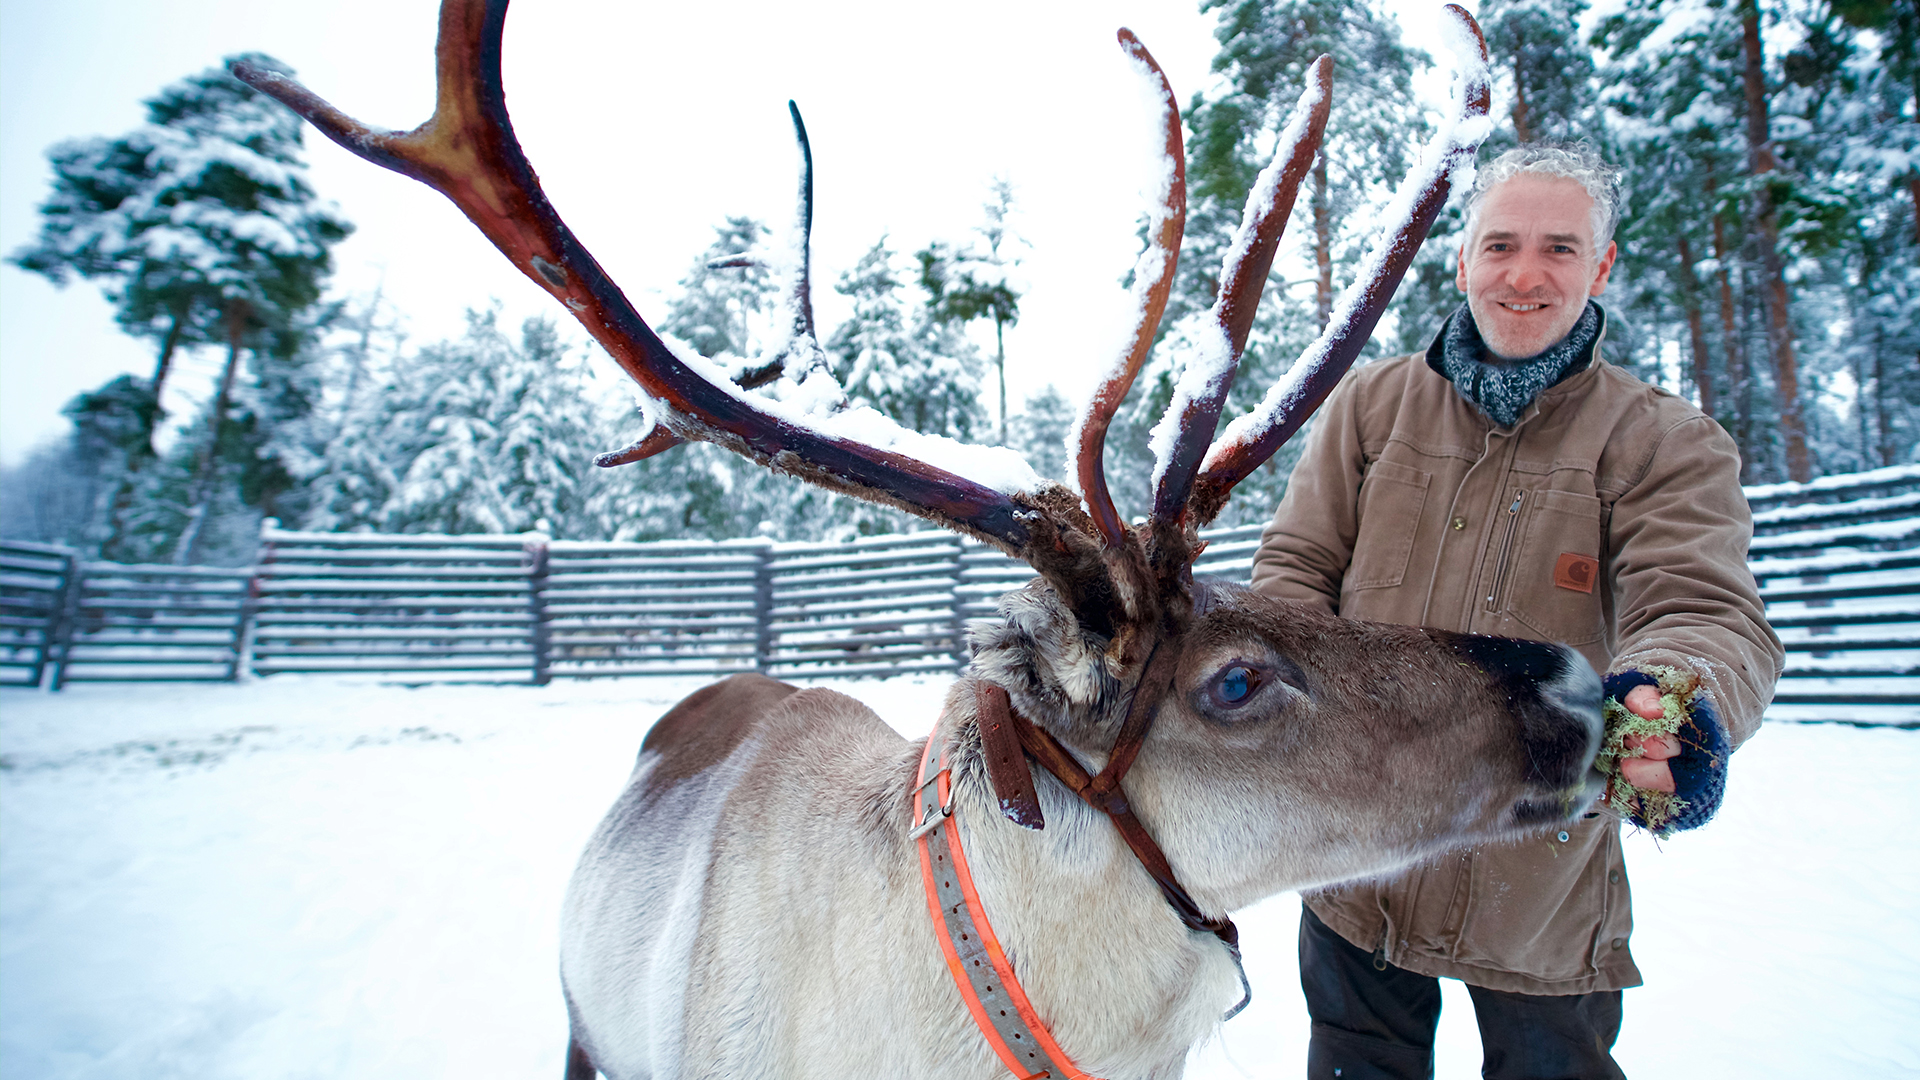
(1529, 267)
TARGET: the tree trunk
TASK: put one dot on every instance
(1913, 189)
(1322, 241)
(1696, 333)
(199, 495)
(1521, 129)
(1760, 163)
(1000, 365)
(167, 346)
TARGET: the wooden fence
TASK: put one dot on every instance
(1838, 562)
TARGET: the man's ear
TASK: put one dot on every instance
(1460, 270)
(1605, 268)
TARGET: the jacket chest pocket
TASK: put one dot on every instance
(1556, 581)
(1391, 498)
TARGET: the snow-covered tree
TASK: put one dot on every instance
(907, 363)
(973, 281)
(202, 228)
(481, 434)
(1039, 432)
(722, 309)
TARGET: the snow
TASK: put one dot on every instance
(318, 877)
(1840, 482)
(811, 406)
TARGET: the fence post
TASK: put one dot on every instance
(763, 609)
(60, 632)
(537, 606)
(959, 616)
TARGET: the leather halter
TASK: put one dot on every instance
(979, 966)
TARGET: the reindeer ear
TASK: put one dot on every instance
(1058, 673)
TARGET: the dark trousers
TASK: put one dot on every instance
(1374, 1021)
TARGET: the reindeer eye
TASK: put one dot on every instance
(1235, 685)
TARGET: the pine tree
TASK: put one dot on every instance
(722, 310)
(1039, 432)
(972, 282)
(910, 365)
(1266, 47)
(202, 228)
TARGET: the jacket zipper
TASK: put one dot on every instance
(1506, 551)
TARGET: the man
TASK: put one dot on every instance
(1509, 481)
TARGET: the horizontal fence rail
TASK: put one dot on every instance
(1837, 561)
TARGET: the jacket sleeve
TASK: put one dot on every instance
(1305, 550)
(1683, 595)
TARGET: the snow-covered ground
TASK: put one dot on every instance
(319, 878)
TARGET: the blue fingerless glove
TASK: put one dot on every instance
(1699, 770)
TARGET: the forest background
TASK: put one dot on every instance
(1769, 271)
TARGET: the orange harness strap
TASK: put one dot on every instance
(979, 966)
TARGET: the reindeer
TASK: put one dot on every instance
(788, 888)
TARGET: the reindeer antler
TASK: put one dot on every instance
(467, 151)
(1251, 439)
(1152, 283)
(1194, 411)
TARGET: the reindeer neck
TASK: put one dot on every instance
(1125, 987)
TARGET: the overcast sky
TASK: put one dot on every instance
(648, 123)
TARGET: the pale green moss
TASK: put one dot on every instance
(1678, 689)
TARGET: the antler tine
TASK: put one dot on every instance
(659, 439)
(1153, 281)
(468, 152)
(802, 295)
(1251, 439)
(1194, 411)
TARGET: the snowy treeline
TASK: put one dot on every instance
(1769, 270)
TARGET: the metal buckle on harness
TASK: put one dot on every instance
(922, 828)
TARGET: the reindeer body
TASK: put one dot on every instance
(752, 905)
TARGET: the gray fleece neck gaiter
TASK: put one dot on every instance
(1502, 389)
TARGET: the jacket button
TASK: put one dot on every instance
(1613, 877)
(1459, 523)
(1562, 837)
(1619, 943)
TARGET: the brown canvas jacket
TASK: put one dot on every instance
(1610, 517)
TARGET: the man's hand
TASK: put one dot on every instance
(1650, 770)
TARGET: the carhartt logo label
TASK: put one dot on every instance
(1576, 572)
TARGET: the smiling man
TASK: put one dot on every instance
(1510, 481)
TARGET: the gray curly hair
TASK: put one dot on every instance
(1576, 161)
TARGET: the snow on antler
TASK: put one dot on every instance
(1207, 371)
(1152, 282)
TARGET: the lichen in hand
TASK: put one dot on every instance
(1655, 809)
